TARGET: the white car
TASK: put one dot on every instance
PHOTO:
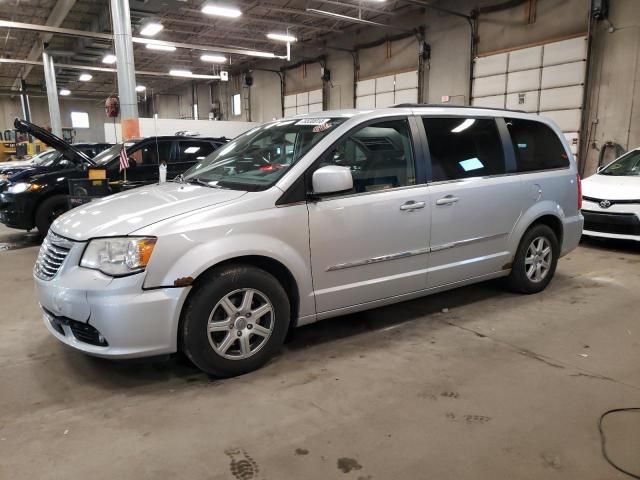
(308, 218)
(611, 199)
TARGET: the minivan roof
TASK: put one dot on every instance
(409, 108)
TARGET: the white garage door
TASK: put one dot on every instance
(386, 91)
(305, 102)
(547, 79)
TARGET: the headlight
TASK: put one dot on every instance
(118, 256)
(23, 187)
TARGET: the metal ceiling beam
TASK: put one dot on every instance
(56, 17)
(347, 18)
(356, 6)
(425, 4)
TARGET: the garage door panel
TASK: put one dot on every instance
(367, 101)
(315, 107)
(523, 81)
(565, 51)
(384, 99)
(561, 98)
(486, 86)
(289, 101)
(366, 87)
(302, 98)
(527, 101)
(409, 95)
(315, 96)
(525, 59)
(573, 139)
(289, 112)
(302, 109)
(385, 84)
(567, 120)
(491, 65)
(563, 75)
(407, 80)
(494, 101)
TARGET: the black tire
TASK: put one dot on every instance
(518, 280)
(198, 343)
(48, 211)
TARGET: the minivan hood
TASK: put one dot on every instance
(126, 212)
(612, 187)
(66, 149)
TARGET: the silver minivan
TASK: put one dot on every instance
(307, 218)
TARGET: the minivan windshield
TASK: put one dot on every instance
(104, 157)
(260, 157)
(626, 165)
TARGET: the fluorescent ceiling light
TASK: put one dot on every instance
(180, 73)
(109, 58)
(255, 53)
(221, 10)
(213, 58)
(150, 29)
(64, 92)
(464, 125)
(282, 37)
(140, 88)
(85, 77)
(164, 48)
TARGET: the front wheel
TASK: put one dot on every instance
(235, 320)
(48, 211)
(536, 260)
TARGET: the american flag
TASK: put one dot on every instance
(124, 159)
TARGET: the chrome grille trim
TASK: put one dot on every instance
(52, 254)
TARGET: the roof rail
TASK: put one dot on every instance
(448, 105)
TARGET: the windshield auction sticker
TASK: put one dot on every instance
(313, 121)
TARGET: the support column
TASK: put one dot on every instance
(126, 71)
(52, 94)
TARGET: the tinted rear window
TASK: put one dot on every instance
(463, 147)
(537, 147)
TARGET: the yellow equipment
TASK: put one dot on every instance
(14, 145)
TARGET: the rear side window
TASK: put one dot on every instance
(463, 148)
(194, 150)
(152, 153)
(537, 147)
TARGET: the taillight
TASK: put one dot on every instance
(579, 182)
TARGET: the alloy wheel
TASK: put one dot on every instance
(537, 261)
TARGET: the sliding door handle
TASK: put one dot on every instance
(412, 205)
(448, 200)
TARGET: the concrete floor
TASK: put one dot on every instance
(497, 386)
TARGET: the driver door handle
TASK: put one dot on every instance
(412, 205)
(448, 200)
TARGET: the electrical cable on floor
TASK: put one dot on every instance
(603, 440)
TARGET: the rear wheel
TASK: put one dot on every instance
(235, 321)
(48, 211)
(536, 260)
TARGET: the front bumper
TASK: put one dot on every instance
(109, 317)
(620, 221)
(16, 210)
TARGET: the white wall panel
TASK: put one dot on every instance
(385, 84)
(315, 96)
(368, 101)
(315, 107)
(485, 86)
(525, 59)
(406, 80)
(563, 75)
(410, 95)
(384, 99)
(495, 101)
(491, 65)
(527, 101)
(567, 120)
(523, 81)
(565, 51)
(366, 87)
(561, 98)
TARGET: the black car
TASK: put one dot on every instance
(37, 200)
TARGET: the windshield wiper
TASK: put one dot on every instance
(197, 181)
(179, 178)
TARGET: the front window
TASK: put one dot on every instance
(106, 156)
(46, 159)
(260, 157)
(627, 165)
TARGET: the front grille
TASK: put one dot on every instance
(611, 202)
(618, 223)
(52, 254)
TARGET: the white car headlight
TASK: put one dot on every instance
(23, 187)
(118, 256)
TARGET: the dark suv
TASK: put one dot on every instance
(37, 200)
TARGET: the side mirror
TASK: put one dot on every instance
(332, 179)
